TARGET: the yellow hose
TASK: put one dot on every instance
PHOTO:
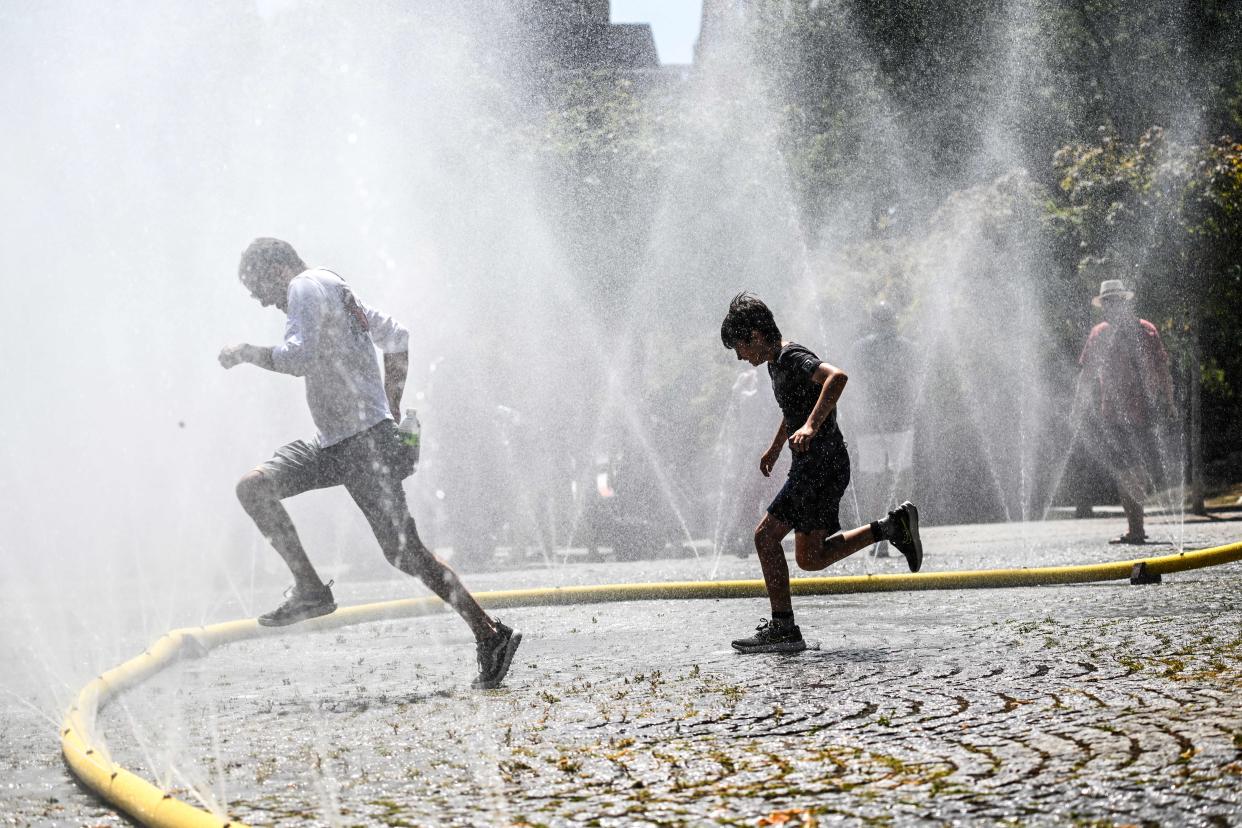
(148, 805)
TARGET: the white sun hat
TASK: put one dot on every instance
(1110, 288)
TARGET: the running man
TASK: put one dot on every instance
(330, 340)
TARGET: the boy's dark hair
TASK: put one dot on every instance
(264, 255)
(748, 313)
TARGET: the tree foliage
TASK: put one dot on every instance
(1167, 217)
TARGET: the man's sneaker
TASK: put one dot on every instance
(302, 604)
(772, 636)
(905, 523)
(495, 654)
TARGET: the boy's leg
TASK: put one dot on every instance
(817, 550)
(871, 474)
(824, 545)
(768, 536)
(780, 634)
(872, 492)
(901, 529)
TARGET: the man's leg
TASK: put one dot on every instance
(1127, 447)
(259, 498)
(371, 469)
(1130, 490)
(377, 491)
(295, 468)
(382, 500)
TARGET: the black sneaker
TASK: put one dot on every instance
(495, 654)
(905, 523)
(300, 606)
(772, 637)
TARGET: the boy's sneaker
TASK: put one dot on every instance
(302, 604)
(904, 521)
(495, 654)
(772, 636)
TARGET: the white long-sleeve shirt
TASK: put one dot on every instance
(330, 339)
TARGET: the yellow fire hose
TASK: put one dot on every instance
(88, 759)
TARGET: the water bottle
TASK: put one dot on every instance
(410, 432)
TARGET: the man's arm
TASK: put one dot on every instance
(1164, 377)
(832, 382)
(394, 341)
(253, 354)
(1087, 387)
(293, 356)
(1083, 396)
(396, 368)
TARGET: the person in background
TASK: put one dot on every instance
(882, 416)
(1125, 370)
(330, 340)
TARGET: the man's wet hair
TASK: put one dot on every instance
(747, 313)
(265, 255)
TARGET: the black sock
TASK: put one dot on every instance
(881, 529)
(782, 616)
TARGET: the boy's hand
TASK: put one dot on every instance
(801, 439)
(768, 461)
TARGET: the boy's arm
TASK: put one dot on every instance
(832, 382)
(773, 453)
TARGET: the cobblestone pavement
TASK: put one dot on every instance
(1092, 705)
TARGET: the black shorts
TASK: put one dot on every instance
(810, 500)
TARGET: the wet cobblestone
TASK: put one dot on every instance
(1086, 705)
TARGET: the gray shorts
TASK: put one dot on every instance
(370, 466)
(374, 458)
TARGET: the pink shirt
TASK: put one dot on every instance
(1131, 369)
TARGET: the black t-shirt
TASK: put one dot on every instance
(796, 393)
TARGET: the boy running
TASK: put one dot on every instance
(807, 391)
